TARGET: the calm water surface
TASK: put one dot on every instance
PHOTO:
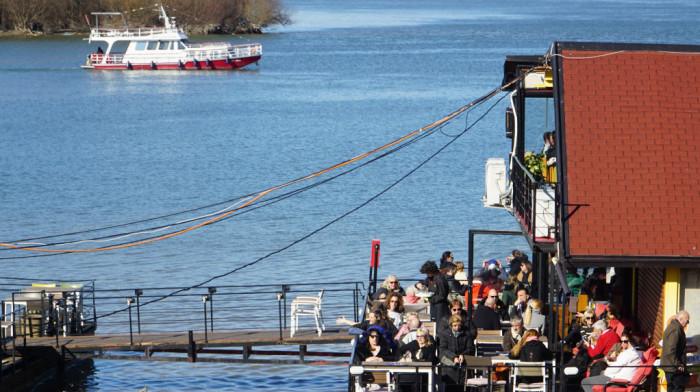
(84, 149)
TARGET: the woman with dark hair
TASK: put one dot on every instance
(394, 309)
(446, 259)
(437, 285)
(375, 348)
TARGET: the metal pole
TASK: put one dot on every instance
(280, 296)
(138, 293)
(470, 275)
(212, 290)
(129, 301)
(205, 298)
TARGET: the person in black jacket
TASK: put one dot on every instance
(375, 348)
(456, 345)
(437, 285)
(420, 350)
(530, 349)
(485, 317)
(456, 307)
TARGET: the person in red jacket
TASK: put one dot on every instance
(606, 339)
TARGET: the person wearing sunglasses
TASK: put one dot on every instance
(620, 366)
(580, 330)
(394, 308)
(456, 345)
(420, 350)
(375, 348)
(456, 307)
(390, 285)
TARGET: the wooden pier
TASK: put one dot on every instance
(223, 344)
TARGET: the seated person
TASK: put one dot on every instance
(420, 350)
(407, 332)
(394, 308)
(621, 366)
(374, 317)
(374, 348)
(530, 349)
(460, 274)
(524, 277)
(580, 329)
(514, 335)
(521, 303)
(391, 284)
(456, 307)
(534, 317)
(485, 316)
(501, 308)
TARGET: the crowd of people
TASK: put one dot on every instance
(599, 345)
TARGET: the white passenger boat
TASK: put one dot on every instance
(163, 48)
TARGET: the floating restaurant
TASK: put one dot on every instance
(618, 192)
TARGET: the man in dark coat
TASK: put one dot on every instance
(501, 308)
(485, 317)
(673, 353)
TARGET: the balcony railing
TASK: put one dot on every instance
(534, 204)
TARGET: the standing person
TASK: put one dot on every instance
(673, 353)
(436, 284)
(446, 259)
(455, 345)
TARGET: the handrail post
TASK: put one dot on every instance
(280, 296)
(212, 290)
(205, 299)
(129, 301)
(138, 293)
(285, 290)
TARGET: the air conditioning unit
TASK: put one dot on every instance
(495, 182)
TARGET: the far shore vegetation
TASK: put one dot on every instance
(33, 17)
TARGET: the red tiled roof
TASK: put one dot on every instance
(632, 148)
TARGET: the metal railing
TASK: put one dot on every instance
(131, 32)
(534, 204)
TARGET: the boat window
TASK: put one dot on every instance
(152, 45)
(163, 45)
(140, 45)
(180, 45)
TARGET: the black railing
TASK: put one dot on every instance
(534, 204)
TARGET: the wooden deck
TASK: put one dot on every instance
(180, 340)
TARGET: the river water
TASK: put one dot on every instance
(84, 149)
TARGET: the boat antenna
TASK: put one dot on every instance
(165, 18)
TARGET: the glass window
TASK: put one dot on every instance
(163, 45)
(152, 45)
(690, 290)
(140, 45)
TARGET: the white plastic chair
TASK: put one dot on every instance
(305, 305)
(530, 369)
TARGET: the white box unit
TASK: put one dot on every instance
(495, 181)
(544, 213)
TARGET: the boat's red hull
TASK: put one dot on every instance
(193, 65)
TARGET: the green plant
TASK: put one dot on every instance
(536, 165)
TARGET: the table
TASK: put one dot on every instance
(402, 367)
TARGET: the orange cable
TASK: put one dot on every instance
(265, 192)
